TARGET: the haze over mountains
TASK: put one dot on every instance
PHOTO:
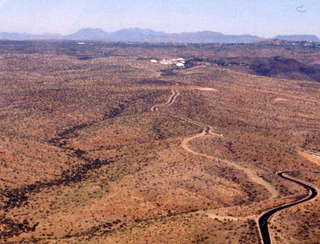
(147, 35)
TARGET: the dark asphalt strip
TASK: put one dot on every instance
(263, 219)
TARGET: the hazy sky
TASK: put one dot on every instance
(261, 17)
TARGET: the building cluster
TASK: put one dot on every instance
(179, 62)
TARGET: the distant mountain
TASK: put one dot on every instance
(88, 34)
(147, 35)
(139, 35)
(298, 38)
(209, 36)
(26, 36)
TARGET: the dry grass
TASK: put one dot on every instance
(84, 160)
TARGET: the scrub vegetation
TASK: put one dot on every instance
(100, 145)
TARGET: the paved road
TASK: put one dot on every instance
(263, 219)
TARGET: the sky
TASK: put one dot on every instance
(265, 18)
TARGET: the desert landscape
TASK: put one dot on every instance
(159, 143)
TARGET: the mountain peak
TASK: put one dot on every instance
(136, 34)
(88, 34)
(91, 30)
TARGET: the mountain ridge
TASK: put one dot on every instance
(148, 35)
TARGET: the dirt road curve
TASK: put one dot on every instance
(207, 130)
(250, 173)
(171, 100)
(262, 220)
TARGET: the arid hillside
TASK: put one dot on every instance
(101, 145)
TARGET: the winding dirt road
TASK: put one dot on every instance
(207, 130)
(262, 220)
(250, 173)
(170, 101)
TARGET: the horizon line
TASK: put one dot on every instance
(140, 28)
